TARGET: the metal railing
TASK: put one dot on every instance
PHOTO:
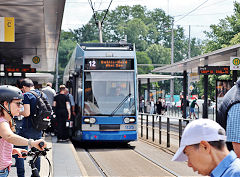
(172, 113)
(150, 124)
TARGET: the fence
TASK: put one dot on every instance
(157, 127)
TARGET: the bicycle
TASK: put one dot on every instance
(35, 153)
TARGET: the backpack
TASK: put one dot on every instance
(41, 118)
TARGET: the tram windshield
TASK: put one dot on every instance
(109, 93)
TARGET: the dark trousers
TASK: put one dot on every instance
(29, 133)
(62, 131)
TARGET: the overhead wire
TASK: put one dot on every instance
(106, 12)
(107, 2)
(213, 4)
(192, 11)
(100, 5)
(94, 13)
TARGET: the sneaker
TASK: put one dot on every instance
(65, 140)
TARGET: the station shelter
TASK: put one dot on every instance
(148, 79)
(218, 62)
(29, 39)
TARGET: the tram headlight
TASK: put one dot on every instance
(132, 120)
(89, 120)
(128, 120)
(92, 120)
(86, 120)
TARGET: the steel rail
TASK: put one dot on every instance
(96, 164)
(156, 163)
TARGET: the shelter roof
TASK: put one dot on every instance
(155, 77)
(219, 57)
(37, 31)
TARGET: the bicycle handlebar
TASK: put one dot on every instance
(36, 153)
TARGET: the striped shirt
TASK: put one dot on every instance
(5, 151)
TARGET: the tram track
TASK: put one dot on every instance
(128, 153)
(156, 163)
(98, 167)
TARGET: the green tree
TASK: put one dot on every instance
(136, 32)
(160, 25)
(141, 26)
(225, 33)
(88, 32)
(150, 30)
(235, 39)
(142, 58)
(159, 54)
(66, 47)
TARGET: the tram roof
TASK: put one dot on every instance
(37, 32)
(107, 46)
(155, 77)
(219, 57)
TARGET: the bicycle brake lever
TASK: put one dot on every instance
(41, 144)
(24, 154)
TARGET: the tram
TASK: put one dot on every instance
(103, 80)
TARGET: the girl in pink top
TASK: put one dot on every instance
(10, 105)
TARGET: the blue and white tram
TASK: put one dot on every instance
(102, 78)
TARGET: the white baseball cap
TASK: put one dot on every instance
(197, 131)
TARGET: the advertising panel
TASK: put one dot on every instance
(222, 87)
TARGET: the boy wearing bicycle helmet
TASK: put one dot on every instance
(10, 105)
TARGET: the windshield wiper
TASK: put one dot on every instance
(120, 104)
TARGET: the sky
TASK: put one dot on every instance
(203, 12)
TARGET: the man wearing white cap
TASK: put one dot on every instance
(203, 146)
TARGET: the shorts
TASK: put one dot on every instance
(192, 110)
(4, 172)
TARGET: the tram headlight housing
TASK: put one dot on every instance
(128, 120)
(92, 120)
(89, 120)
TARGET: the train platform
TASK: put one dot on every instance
(64, 161)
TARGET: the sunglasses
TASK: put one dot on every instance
(19, 103)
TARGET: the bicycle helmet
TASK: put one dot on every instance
(9, 93)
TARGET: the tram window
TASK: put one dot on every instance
(104, 91)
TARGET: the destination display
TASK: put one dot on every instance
(109, 64)
(217, 70)
(19, 68)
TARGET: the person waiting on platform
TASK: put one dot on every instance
(203, 146)
(61, 107)
(10, 106)
(141, 105)
(159, 106)
(50, 92)
(152, 106)
(72, 102)
(192, 108)
(28, 130)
